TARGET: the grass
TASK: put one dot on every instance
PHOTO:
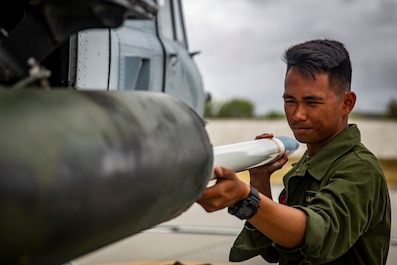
(389, 167)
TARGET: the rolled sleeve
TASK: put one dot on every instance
(315, 232)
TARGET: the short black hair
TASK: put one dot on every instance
(322, 56)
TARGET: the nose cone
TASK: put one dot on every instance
(290, 144)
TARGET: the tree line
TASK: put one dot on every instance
(244, 108)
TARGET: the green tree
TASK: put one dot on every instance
(274, 115)
(392, 108)
(239, 108)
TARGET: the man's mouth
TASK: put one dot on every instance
(300, 129)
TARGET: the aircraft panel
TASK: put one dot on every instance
(141, 57)
(114, 61)
(92, 59)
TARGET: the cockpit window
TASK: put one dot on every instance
(171, 23)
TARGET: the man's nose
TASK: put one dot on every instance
(300, 113)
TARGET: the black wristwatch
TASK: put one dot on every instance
(247, 208)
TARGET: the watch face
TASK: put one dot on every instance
(245, 211)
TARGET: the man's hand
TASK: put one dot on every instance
(260, 176)
(227, 191)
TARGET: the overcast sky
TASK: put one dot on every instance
(242, 41)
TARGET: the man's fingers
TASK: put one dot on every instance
(225, 173)
(264, 136)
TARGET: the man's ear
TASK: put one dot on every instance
(349, 100)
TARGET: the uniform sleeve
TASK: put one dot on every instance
(251, 243)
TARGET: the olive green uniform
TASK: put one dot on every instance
(343, 191)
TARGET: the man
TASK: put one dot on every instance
(335, 206)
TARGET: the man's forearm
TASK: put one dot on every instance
(283, 224)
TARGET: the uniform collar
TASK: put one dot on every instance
(319, 164)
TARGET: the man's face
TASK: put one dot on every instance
(314, 112)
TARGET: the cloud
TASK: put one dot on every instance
(242, 43)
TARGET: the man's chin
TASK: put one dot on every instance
(301, 138)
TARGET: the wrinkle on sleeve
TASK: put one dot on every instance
(251, 243)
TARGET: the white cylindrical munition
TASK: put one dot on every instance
(244, 155)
